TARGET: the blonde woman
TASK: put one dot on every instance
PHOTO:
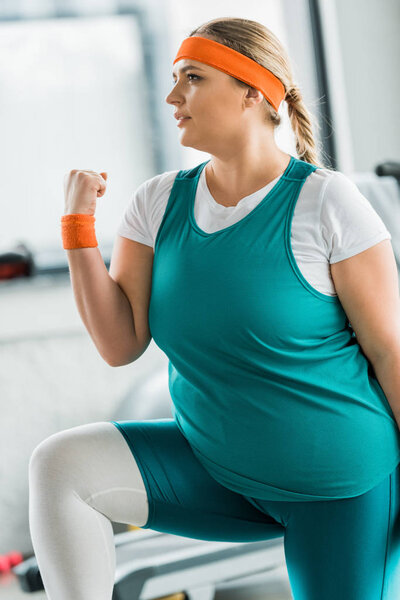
(247, 271)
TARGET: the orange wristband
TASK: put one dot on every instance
(78, 231)
(233, 63)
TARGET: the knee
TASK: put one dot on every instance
(51, 455)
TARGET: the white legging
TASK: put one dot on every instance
(80, 480)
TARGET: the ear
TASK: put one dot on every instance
(252, 97)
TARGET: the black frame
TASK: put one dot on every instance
(327, 131)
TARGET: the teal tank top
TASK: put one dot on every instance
(268, 383)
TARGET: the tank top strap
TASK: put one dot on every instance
(189, 174)
(300, 171)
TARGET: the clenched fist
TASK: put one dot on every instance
(81, 190)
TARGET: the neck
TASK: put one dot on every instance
(244, 173)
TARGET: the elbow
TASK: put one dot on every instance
(111, 361)
(112, 364)
(130, 355)
(121, 363)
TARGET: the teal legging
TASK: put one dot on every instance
(346, 549)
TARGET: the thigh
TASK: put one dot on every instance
(347, 548)
(183, 498)
(92, 462)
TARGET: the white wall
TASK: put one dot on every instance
(369, 46)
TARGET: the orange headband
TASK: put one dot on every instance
(233, 63)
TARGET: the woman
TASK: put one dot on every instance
(281, 425)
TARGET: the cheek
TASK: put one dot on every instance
(215, 110)
(222, 119)
(210, 99)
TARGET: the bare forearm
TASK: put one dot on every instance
(387, 371)
(105, 310)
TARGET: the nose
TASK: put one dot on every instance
(171, 98)
(174, 95)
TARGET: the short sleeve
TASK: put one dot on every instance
(349, 223)
(133, 224)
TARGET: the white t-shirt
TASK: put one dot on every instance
(332, 219)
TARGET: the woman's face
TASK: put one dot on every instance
(213, 101)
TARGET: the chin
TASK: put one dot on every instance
(194, 145)
(189, 144)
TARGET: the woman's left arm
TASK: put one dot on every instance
(368, 289)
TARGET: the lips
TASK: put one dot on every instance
(182, 121)
(179, 116)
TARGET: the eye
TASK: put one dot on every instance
(189, 75)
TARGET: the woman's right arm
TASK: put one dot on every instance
(104, 299)
(113, 305)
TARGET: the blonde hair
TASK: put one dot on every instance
(257, 42)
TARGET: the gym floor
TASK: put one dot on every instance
(10, 590)
(277, 589)
(264, 586)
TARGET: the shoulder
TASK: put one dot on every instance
(158, 185)
(150, 198)
(145, 208)
(317, 181)
(334, 193)
(342, 197)
(348, 222)
(339, 182)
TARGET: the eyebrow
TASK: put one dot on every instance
(187, 67)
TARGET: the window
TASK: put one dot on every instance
(74, 96)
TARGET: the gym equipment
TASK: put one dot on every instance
(17, 261)
(151, 564)
(9, 560)
(388, 168)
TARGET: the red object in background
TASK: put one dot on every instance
(17, 262)
(7, 561)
